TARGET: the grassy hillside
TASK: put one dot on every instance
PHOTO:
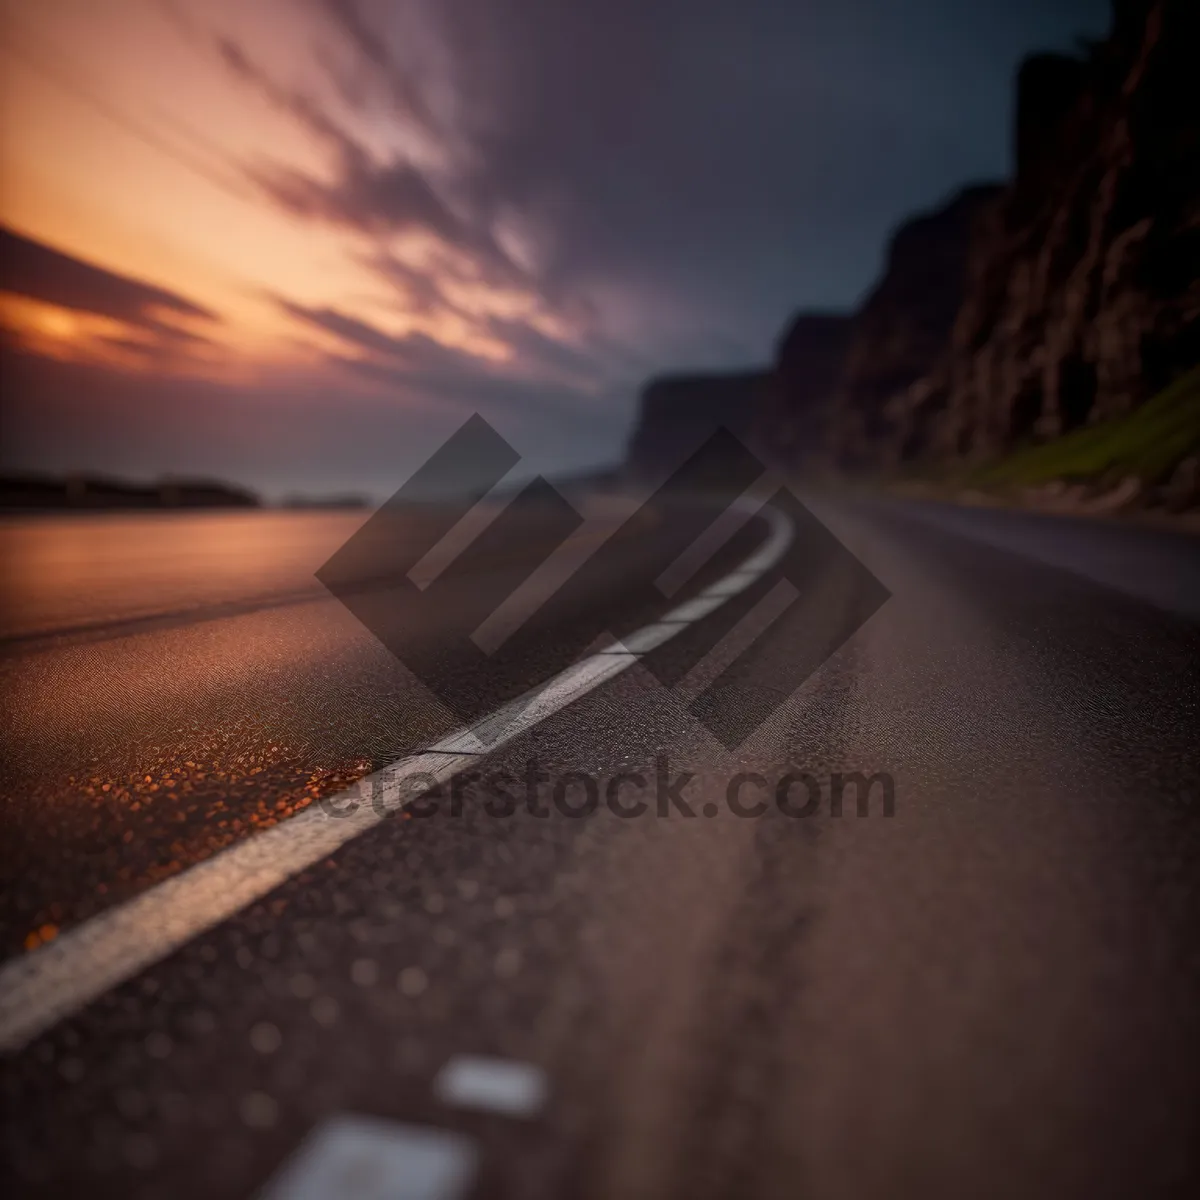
(1147, 443)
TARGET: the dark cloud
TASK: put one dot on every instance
(558, 357)
(744, 157)
(542, 362)
(415, 352)
(736, 158)
(419, 291)
(365, 195)
(305, 110)
(371, 51)
(29, 268)
(372, 198)
(554, 386)
(378, 199)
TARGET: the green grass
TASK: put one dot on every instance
(1148, 443)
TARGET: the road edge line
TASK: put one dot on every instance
(45, 986)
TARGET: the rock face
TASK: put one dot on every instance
(906, 321)
(792, 426)
(1083, 282)
(1015, 313)
(678, 412)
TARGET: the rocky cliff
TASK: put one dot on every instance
(793, 424)
(1082, 294)
(835, 372)
(678, 412)
(1016, 313)
(905, 323)
(781, 413)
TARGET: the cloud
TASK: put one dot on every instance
(539, 362)
(371, 51)
(415, 352)
(367, 194)
(735, 161)
(287, 100)
(31, 269)
(551, 386)
(418, 290)
(369, 197)
(571, 362)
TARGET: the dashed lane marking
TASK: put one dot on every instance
(349, 1157)
(514, 1089)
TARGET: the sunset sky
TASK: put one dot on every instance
(293, 243)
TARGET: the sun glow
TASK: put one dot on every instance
(59, 332)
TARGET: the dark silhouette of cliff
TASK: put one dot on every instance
(678, 412)
(809, 361)
(906, 321)
(1016, 313)
(1083, 283)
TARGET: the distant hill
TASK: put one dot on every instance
(91, 492)
(678, 412)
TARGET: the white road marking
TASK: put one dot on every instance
(705, 548)
(46, 985)
(518, 715)
(648, 638)
(363, 1158)
(773, 549)
(514, 1089)
(734, 584)
(694, 610)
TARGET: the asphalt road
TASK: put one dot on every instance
(994, 991)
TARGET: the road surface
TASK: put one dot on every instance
(993, 991)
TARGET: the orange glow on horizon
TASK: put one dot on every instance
(64, 334)
(69, 335)
(123, 142)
